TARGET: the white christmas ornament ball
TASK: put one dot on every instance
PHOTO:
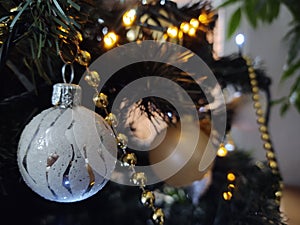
(67, 154)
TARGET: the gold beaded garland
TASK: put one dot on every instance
(270, 155)
(128, 159)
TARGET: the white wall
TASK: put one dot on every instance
(267, 43)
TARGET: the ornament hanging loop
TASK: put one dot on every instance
(63, 71)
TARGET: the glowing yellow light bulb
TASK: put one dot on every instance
(230, 177)
(192, 31)
(110, 39)
(165, 37)
(222, 151)
(227, 195)
(129, 17)
(231, 186)
(185, 27)
(172, 32)
(203, 18)
(194, 22)
(180, 34)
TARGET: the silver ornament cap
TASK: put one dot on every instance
(66, 95)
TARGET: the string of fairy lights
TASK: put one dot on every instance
(170, 30)
(173, 30)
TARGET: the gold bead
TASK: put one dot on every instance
(257, 105)
(129, 159)
(250, 69)
(255, 97)
(148, 198)
(270, 155)
(263, 128)
(253, 82)
(227, 195)
(158, 216)
(122, 141)
(83, 58)
(265, 137)
(255, 90)
(261, 120)
(139, 178)
(267, 145)
(273, 164)
(252, 76)
(278, 194)
(248, 62)
(222, 151)
(259, 112)
(92, 78)
(281, 185)
(112, 120)
(100, 100)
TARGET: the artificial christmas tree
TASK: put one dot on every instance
(43, 36)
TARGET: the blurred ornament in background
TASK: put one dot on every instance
(176, 158)
(67, 152)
